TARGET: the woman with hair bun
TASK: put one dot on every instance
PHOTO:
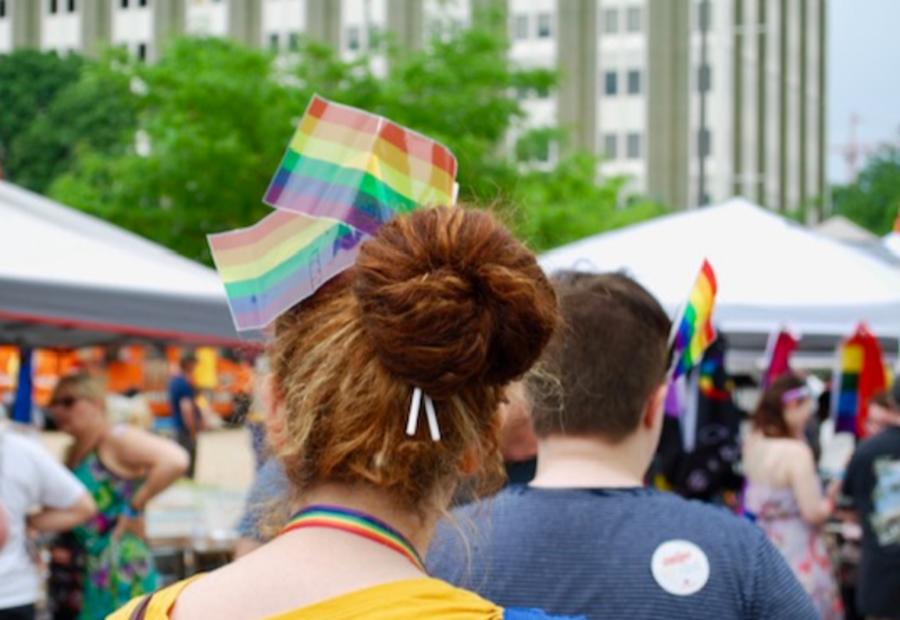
(386, 387)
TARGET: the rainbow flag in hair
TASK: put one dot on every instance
(861, 373)
(277, 262)
(693, 332)
(359, 168)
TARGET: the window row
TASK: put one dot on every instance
(633, 145)
(291, 40)
(522, 26)
(634, 18)
(632, 82)
(138, 3)
(57, 6)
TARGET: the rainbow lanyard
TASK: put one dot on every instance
(358, 523)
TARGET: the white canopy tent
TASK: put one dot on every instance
(772, 272)
(69, 279)
(892, 243)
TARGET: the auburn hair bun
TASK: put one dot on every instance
(449, 296)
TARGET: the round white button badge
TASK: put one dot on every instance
(680, 567)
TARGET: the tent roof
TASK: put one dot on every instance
(771, 271)
(70, 279)
(842, 229)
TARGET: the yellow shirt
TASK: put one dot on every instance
(412, 598)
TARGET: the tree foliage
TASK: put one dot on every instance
(215, 118)
(29, 82)
(873, 199)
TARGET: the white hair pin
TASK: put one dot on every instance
(430, 414)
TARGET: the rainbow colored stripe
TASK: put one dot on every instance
(345, 173)
(359, 168)
(861, 375)
(358, 523)
(695, 329)
(280, 260)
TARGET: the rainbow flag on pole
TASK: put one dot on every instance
(360, 168)
(693, 332)
(861, 373)
(280, 260)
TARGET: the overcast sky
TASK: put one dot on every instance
(863, 74)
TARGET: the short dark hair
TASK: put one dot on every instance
(187, 359)
(606, 361)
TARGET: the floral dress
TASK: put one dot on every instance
(776, 511)
(115, 571)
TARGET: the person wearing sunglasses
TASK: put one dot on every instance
(123, 467)
(784, 492)
(36, 493)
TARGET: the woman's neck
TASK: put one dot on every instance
(88, 441)
(414, 528)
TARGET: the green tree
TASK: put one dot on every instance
(873, 199)
(29, 82)
(98, 111)
(217, 116)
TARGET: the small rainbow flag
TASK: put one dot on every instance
(860, 375)
(280, 260)
(359, 168)
(694, 331)
(778, 353)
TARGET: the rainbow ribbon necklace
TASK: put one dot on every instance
(358, 523)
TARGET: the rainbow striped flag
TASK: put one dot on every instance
(277, 262)
(694, 331)
(860, 375)
(360, 168)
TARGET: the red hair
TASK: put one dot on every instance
(444, 299)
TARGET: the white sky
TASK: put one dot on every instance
(863, 75)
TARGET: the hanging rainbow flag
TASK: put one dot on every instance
(860, 375)
(779, 350)
(280, 260)
(694, 331)
(359, 168)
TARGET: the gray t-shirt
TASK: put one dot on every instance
(616, 553)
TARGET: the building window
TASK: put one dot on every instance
(520, 27)
(2, 8)
(544, 25)
(633, 146)
(610, 21)
(704, 142)
(54, 6)
(142, 2)
(353, 38)
(633, 19)
(610, 83)
(293, 41)
(142, 51)
(634, 82)
(704, 15)
(610, 145)
(374, 37)
(124, 4)
(273, 41)
(72, 7)
(704, 78)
